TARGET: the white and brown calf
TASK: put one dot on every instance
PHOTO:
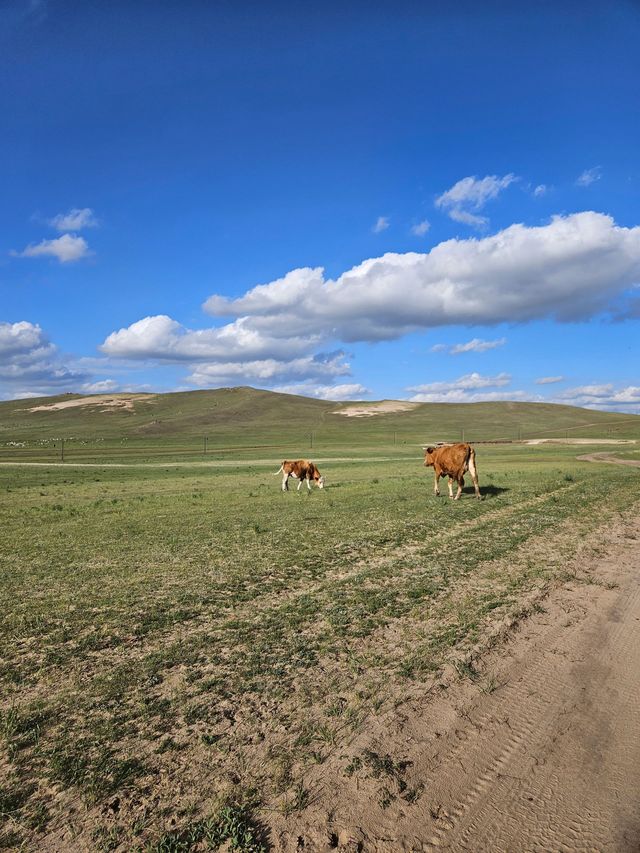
(302, 470)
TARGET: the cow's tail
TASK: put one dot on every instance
(470, 459)
(279, 471)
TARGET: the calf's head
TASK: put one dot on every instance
(428, 456)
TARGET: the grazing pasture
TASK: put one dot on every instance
(180, 643)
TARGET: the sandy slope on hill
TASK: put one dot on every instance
(367, 410)
(107, 401)
(541, 752)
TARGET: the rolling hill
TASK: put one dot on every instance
(248, 419)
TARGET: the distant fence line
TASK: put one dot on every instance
(68, 448)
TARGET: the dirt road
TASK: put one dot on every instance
(539, 752)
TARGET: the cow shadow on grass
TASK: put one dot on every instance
(486, 491)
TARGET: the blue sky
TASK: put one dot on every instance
(352, 201)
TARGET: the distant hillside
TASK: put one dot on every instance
(245, 416)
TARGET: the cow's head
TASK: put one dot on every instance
(428, 456)
(320, 482)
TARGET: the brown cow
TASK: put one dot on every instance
(302, 470)
(452, 461)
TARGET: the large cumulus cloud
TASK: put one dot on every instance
(568, 269)
(571, 268)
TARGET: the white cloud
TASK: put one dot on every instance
(589, 176)
(30, 364)
(460, 395)
(465, 383)
(22, 340)
(351, 391)
(66, 249)
(605, 396)
(268, 371)
(471, 194)
(569, 269)
(164, 339)
(381, 224)
(103, 386)
(466, 218)
(439, 348)
(421, 228)
(549, 380)
(540, 190)
(74, 220)
(466, 389)
(477, 345)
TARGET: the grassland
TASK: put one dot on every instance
(246, 423)
(180, 643)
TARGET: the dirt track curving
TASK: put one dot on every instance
(609, 458)
(541, 752)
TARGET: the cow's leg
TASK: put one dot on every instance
(450, 487)
(285, 482)
(436, 489)
(300, 481)
(308, 484)
(474, 475)
(460, 485)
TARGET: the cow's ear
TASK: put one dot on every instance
(429, 450)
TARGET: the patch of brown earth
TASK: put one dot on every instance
(384, 407)
(107, 401)
(539, 751)
(580, 441)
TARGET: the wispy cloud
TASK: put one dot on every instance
(477, 345)
(469, 195)
(269, 370)
(605, 396)
(549, 380)
(350, 391)
(67, 249)
(540, 190)
(381, 224)
(471, 388)
(589, 176)
(102, 386)
(421, 228)
(75, 219)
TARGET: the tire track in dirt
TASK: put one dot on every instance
(546, 759)
(609, 458)
(527, 787)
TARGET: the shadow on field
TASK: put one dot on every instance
(486, 491)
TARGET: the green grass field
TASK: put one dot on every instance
(180, 643)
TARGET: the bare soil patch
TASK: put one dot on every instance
(107, 401)
(537, 750)
(579, 441)
(384, 407)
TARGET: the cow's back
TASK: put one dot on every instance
(454, 459)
